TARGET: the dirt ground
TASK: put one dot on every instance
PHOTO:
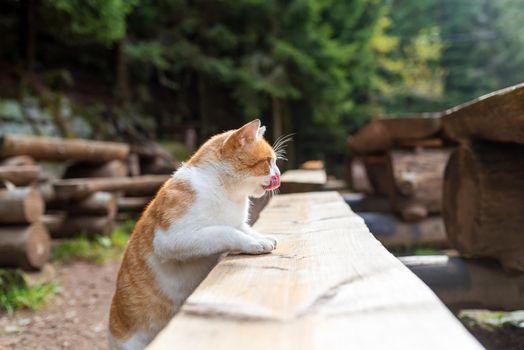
(75, 318)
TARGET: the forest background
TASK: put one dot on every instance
(154, 69)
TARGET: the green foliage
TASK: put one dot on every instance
(495, 319)
(16, 294)
(97, 249)
(102, 20)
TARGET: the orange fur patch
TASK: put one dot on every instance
(137, 299)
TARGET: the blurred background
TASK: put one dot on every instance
(114, 69)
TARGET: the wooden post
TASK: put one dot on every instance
(327, 286)
(27, 247)
(20, 205)
(484, 202)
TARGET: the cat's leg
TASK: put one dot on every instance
(253, 233)
(208, 241)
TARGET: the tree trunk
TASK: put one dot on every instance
(27, 247)
(123, 90)
(278, 117)
(56, 149)
(483, 202)
(28, 32)
(20, 205)
(378, 169)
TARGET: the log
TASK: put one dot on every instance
(358, 177)
(379, 173)
(395, 234)
(98, 203)
(361, 202)
(483, 202)
(20, 205)
(53, 220)
(137, 186)
(420, 173)
(20, 175)
(157, 165)
(328, 285)
(27, 247)
(56, 149)
(18, 161)
(498, 116)
(418, 182)
(112, 168)
(133, 165)
(87, 225)
(469, 283)
(132, 204)
(296, 181)
(382, 134)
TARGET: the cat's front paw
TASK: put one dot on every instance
(258, 246)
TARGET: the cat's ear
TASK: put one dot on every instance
(246, 134)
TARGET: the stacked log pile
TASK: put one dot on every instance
(398, 167)
(484, 179)
(101, 180)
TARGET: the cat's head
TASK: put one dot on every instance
(245, 157)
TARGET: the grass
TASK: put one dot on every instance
(494, 319)
(16, 294)
(98, 249)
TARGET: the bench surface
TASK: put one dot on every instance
(329, 285)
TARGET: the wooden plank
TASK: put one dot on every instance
(296, 181)
(384, 133)
(328, 285)
(498, 116)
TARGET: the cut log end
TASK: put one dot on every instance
(27, 247)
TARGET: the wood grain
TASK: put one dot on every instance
(328, 285)
(498, 116)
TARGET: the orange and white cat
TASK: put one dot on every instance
(197, 216)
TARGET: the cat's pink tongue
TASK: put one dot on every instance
(274, 182)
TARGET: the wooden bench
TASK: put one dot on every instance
(301, 180)
(328, 285)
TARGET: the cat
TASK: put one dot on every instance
(197, 216)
